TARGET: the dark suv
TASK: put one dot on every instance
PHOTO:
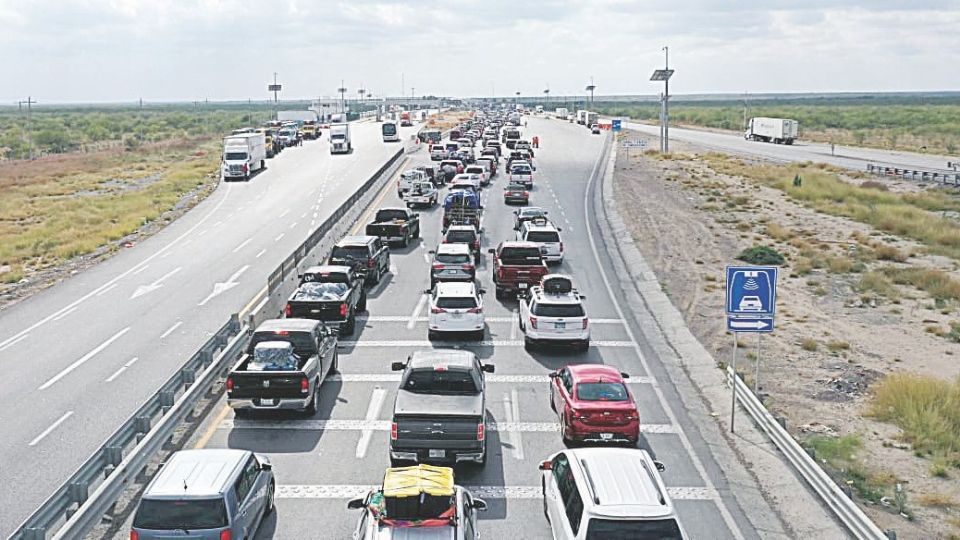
(368, 255)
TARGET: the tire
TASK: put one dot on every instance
(349, 327)
(375, 280)
(585, 346)
(563, 433)
(263, 164)
(431, 335)
(362, 304)
(499, 294)
(267, 510)
(406, 241)
(417, 237)
(543, 490)
(397, 462)
(478, 335)
(312, 408)
(528, 344)
(335, 365)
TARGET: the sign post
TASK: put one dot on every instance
(750, 307)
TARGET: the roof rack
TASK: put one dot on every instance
(653, 480)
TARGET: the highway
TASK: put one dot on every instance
(323, 460)
(847, 157)
(81, 356)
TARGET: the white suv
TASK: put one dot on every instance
(456, 307)
(552, 312)
(544, 234)
(607, 493)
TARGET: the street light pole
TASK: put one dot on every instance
(343, 102)
(20, 104)
(664, 75)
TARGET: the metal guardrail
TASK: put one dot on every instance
(853, 518)
(944, 176)
(73, 510)
(108, 471)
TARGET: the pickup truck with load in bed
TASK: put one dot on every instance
(517, 266)
(284, 365)
(395, 225)
(332, 294)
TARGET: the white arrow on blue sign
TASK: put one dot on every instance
(751, 298)
(738, 324)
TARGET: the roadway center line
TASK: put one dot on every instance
(122, 369)
(105, 290)
(303, 215)
(245, 242)
(285, 212)
(64, 314)
(277, 239)
(294, 224)
(416, 311)
(50, 429)
(373, 411)
(83, 359)
(262, 251)
(11, 342)
(141, 269)
(171, 329)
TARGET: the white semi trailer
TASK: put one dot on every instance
(775, 130)
(243, 155)
(340, 139)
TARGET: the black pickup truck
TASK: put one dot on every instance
(395, 225)
(283, 367)
(332, 294)
(367, 255)
(439, 414)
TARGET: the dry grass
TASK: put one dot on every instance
(927, 410)
(885, 252)
(938, 500)
(877, 283)
(809, 345)
(936, 283)
(779, 232)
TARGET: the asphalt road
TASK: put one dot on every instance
(339, 453)
(842, 156)
(80, 357)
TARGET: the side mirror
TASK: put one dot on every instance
(491, 250)
(546, 466)
(479, 505)
(432, 252)
(483, 291)
(488, 368)
(427, 291)
(554, 374)
(480, 231)
(660, 467)
(266, 467)
(398, 366)
(625, 375)
(355, 504)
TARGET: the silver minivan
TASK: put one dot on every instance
(206, 494)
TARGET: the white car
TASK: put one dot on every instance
(521, 172)
(473, 179)
(423, 194)
(482, 170)
(544, 234)
(438, 152)
(456, 307)
(408, 179)
(553, 313)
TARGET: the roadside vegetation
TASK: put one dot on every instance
(901, 122)
(926, 409)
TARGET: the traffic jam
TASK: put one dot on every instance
(499, 390)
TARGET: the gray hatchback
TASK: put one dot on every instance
(452, 262)
(206, 494)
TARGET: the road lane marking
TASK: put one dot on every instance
(122, 369)
(352, 491)
(212, 428)
(245, 242)
(514, 328)
(11, 343)
(416, 311)
(141, 269)
(485, 343)
(277, 239)
(294, 224)
(426, 258)
(136, 268)
(171, 329)
(491, 379)
(373, 411)
(50, 429)
(105, 290)
(83, 359)
(217, 224)
(285, 212)
(224, 286)
(303, 215)
(145, 289)
(262, 251)
(384, 425)
(62, 315)
(512, 409)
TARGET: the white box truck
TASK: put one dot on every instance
(340, 139)
(590, 118)
(775, 130)
(243, 155)
(562, 113)
(581, 117)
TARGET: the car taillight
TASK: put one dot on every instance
(436, 310)
(288, 311)
(393, 431)
(475, 310)
(526, 193)
(481, 431)
(468, 266)
(561, 247)
(134, 535)
(304, 385)
(586, 322)
(533, 323)
(577, 415)
(226, 535)
(343, 310)
(632, 416)
(370, 263)
(475, 244)
(245, 167)
(437, 266)
(229, 384)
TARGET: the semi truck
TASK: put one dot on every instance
(242, 155)
(405, 119)
(775, 130)
(340, 139)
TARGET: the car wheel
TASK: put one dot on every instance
(478, 335)
(527, 344)
(335, 365)
(543, 490)
(563, 431)
(312, 408)
(351, 325)
(431, 335)
(376, 277)
(362, 304)
(270, 495)
(499, 294)
(585, 346)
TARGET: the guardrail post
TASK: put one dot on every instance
(35, 533)
(890, 534)
(77, 491)
(166, 400)
(142, 425)
(188, 376)
(113, 455)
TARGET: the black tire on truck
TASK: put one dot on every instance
(362, 304)
(312, 408)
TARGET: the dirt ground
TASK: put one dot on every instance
(831, 343)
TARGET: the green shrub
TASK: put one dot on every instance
(761, 255)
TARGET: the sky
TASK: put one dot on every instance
(70, 51)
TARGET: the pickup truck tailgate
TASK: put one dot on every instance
(437, 432)
(267, 385)
(324, 311)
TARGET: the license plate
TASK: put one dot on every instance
(451, 271)
(560, 325)
(522, 285)
(268, 402)
(438, 453)
(606, 436)
(456, 315)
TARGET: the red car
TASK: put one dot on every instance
(594, 404)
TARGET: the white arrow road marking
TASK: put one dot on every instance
(50, 429)
(146, 289)
(417, 310)
(373, 410)
(83, 359)
(220, 288)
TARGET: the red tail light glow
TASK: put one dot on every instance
(586, 323)
(343, 310)
(288, 311)
(468, 266)
(393, 431)
(370, 263)
(229, 384)
(533, 323)
(481, 431)
(475, 310)
(437, 266)
(226, 535)
(134, 535)
(304, 386)
(436, 310)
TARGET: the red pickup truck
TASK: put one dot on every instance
(517, 266)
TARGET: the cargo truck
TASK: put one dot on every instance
(581, 117)
(775, 130)
(590, 118)
(561, 113)
(242, 155)
(405, 119)
(340, 139)
(298, 116)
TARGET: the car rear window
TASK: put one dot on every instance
(441, 381)
(518, 255)
(303, 343)
(456, 302)
(543, 236)
(558, 310)
(457, 237)
(327, 277)
(621, 529)
(453, 258)
(520, 169)
(602, 391)
(192, 514)
(350, 252)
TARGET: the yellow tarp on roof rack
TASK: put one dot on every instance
(412, 481)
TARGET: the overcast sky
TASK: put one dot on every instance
(168, 50)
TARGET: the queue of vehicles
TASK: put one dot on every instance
(439, 420)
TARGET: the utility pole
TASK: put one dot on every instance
(275, 88)
(29, 102)
(664, 75)
(590, 88)
(343, 91)
(746, 105)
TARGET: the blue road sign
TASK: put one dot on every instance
(615, 124)
(751, 291)
(749, 324)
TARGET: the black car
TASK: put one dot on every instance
(332, 294)
(367, 255)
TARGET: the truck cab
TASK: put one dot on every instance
(340, 139)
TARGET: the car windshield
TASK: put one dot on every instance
(558, 310)
(453, 258)
(622, 529)
(236, 156)
(350, 252)
(456, 302)
(460, 237)
(389, 129)
(602, 391)
(191, 514)
(441, 381)
(543, 236)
